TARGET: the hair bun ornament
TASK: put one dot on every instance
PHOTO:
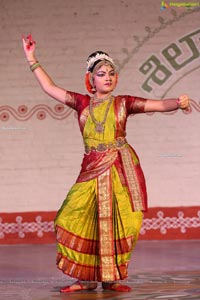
(96, 57)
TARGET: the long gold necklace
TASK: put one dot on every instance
(99, 126)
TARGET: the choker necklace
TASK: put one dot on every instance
(102, 99)
(99, 126)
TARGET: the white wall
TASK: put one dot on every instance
(40, 159)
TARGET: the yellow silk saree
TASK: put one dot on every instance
(99, 222)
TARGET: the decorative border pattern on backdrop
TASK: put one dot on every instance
(40, 111)
(160, 223)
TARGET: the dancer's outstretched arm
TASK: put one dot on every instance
(45, 81)
(165, 105)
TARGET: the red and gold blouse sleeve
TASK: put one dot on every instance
(135, 104)
(76, 101)
(71, 99)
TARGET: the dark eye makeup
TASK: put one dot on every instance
(102, 73)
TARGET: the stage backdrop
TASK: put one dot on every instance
(156, 46)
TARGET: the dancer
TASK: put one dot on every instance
(98, 224)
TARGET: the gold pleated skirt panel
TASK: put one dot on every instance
(97, 229)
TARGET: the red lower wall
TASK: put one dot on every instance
(160, 223)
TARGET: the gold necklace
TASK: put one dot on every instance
(99, 126)
(102, 99)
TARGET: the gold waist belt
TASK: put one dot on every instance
(118, 143)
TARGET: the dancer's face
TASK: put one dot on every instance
(105, 79)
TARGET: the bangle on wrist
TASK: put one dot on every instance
(35, 66)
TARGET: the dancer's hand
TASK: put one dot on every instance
(183, 102)
(29, 47)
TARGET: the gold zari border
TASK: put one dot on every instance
(131, 179)
(106, 250)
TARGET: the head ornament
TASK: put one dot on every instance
(97, 57)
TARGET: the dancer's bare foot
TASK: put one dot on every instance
(79, 286)
(117, 287)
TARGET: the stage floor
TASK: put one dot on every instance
(158, 270)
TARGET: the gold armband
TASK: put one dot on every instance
(35, 66)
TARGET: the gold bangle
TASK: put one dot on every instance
(35, 66)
